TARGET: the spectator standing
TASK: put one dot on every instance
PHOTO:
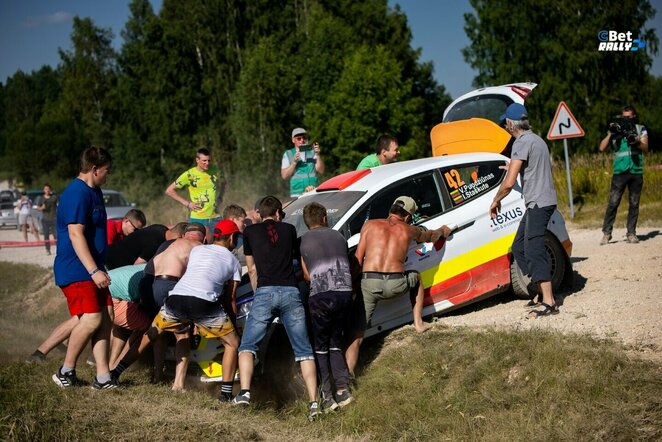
(25, 220)
(302, 164)
(530, 159)
(628, 172)
(205, 190)
(49, 208)
(80, 268)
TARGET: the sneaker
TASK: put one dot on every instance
(344, 398)
(66, 380)
(37, 356)
(631, 238)
(111, 384)
(329, 405)
(605, 239)
(242, 399)
(314, 411)
(226, 398)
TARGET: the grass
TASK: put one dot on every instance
(591, 182)
(448, 384)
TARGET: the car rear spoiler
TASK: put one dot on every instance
(468, 136)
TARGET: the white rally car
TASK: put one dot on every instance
(475, 262)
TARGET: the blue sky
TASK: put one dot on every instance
(31, 31)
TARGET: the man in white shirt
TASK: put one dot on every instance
(213, 273)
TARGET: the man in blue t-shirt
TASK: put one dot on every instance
(80, 267)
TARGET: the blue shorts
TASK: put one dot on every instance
(277, 301)
(208, 222)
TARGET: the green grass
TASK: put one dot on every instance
(591, 181)
(447, 384)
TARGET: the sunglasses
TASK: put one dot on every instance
(133, 225)
(301, 137)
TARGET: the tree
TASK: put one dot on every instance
(554, 43)
(88, 80)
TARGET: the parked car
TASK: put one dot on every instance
(116, 204)
(9, 195)
(8, 217)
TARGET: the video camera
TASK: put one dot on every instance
(624, 128)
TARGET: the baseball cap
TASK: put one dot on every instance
(225, 227)
(515, 112)
(406, 203)
(298, 131)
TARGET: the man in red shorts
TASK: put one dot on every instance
(80, 268)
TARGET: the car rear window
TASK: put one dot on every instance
(467, 182)
(490, 107)
(5, 206)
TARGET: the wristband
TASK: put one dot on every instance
(96, 270)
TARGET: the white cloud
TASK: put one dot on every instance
(51, 19)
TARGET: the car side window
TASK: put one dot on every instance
(467, 182)
(422, 188)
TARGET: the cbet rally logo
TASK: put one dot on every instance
(614, 41)
(505, 219)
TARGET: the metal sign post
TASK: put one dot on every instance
(564, 126)
(567, 174)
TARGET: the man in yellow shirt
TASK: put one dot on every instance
(204, 187)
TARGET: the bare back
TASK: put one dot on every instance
(173, 260)
(384, 244)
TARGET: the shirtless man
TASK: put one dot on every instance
(197, 299)
(381, 252)
(169, 266)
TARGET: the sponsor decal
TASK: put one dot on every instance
(505, 219)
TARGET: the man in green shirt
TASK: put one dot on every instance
(628, 172)
(387, 151)
(204, 187)
(301, 164)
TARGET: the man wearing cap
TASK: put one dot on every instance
(212, 274)
(530, 159)
(387, 151)
(205, 189)
(382, 251)
(302, 163)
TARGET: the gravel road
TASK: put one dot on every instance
(615, 292)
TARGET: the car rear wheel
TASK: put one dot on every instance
(521, 283)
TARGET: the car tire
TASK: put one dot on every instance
(521, 284)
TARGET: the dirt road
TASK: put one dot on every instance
(617, 287)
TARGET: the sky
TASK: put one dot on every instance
(31, 31)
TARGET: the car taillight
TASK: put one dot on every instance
(521, 91)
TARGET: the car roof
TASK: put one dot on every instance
(376, 178)
(109, 191)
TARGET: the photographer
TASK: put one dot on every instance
(302, 163)
(629, 141)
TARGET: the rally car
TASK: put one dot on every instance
(453, 188)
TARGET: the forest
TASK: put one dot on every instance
(236, 76)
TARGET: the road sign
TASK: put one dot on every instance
(564, 124)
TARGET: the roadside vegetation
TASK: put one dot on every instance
(447, 384)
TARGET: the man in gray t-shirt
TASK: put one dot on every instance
(530, 158)
(325, 263)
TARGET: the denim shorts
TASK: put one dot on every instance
(284, 302)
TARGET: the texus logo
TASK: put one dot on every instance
(505, 219)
